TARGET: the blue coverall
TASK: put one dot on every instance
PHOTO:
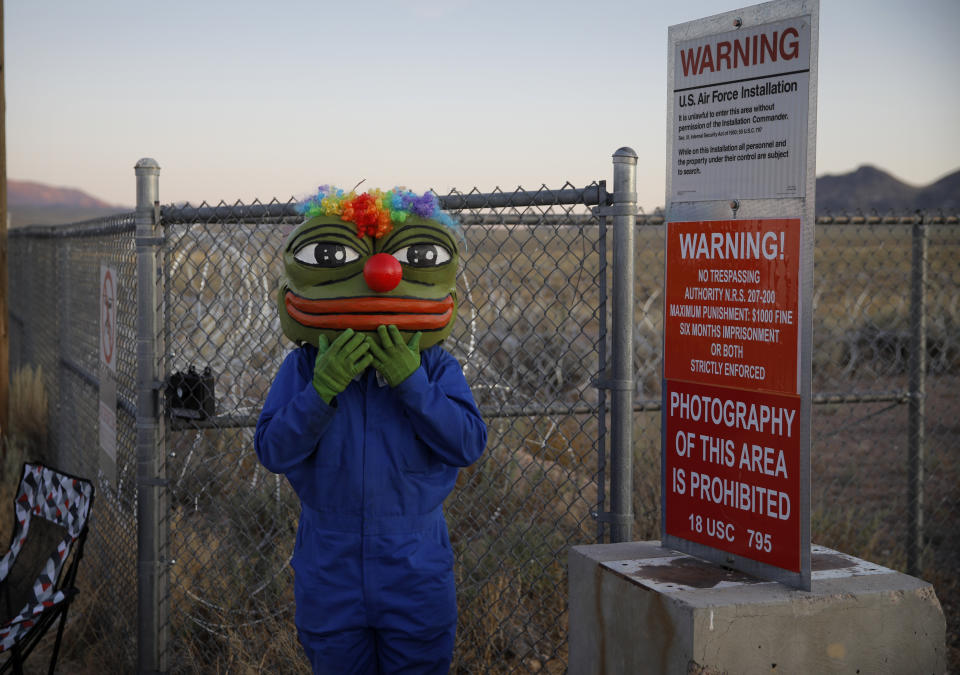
(373, 566)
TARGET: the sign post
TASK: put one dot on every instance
(108, 372)
(741, 147)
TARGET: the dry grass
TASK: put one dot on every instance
(10, 469)
(218, 624)
(25, 439)
(28, 408)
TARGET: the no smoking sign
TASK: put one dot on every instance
(108, 317)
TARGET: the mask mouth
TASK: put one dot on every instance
(366, 313)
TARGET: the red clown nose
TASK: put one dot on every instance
(382, 272)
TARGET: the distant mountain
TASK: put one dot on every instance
(28, 193)
(945, 192)
(31, 203)
(870, 189)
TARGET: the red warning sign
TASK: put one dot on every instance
(732, 468)
(732, 302)
(732, 457)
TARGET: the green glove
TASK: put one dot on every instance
(395, 360)
(337, 364)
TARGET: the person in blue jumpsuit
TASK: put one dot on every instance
(370, 425)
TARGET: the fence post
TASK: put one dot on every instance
(152, 574)
(603, 367)
(624, 210)
(918, 392)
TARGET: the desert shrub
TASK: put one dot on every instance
(29, 411)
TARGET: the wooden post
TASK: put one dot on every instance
(4, 333)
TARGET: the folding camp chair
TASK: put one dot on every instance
(36, 579)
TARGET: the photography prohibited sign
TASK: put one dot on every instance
(732, 412)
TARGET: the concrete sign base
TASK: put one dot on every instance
(640, 608)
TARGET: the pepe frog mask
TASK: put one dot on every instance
(361, 261)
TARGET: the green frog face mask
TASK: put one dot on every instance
(361, 261)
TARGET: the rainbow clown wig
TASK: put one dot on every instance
(375, 212)
(364, 260)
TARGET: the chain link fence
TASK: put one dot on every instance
(54, 277)
(533, 340)
(529, 289)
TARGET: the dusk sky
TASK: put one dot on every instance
(239, 99)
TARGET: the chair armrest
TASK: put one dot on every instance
(30, 612)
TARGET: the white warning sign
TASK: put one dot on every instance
(739, 104)
(108, 372)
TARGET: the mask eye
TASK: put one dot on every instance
(326, 254)
(422, 255)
